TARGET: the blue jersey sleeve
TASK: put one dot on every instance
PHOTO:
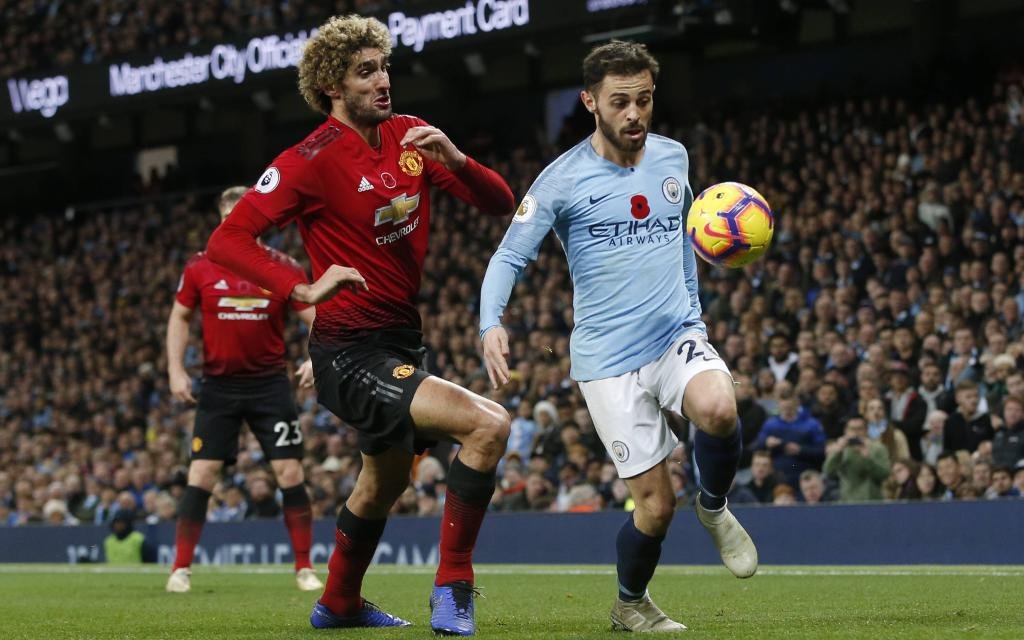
(530, 225)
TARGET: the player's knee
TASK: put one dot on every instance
(203, 474)
(492, 432)
(717, 416)
(659, 511)
(290, 475)
(374, 498)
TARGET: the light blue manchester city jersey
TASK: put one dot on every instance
(633, 270)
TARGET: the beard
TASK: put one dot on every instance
(361, 110)
(618, 138)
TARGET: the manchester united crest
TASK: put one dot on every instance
(411, 163)
(403, 371)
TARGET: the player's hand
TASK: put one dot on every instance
(792, 449)
(772, 441)
(495, 355)
(181, 387)
(433, 143)
(306, 374)
(331, 282)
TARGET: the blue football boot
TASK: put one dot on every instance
(451, 609)
(369, 616)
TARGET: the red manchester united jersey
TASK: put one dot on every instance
(367, 208)
(243, 324)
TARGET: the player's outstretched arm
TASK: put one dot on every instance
(502, 273)
(496, 355)
(233, 245)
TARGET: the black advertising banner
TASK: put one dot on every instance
(443, 25)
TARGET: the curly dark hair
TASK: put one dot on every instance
(328, 54)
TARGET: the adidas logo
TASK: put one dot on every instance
(364, 185)
(223, 284)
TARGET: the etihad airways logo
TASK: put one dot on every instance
(244, 308)
(637, 232)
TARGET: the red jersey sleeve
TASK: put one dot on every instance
(188, 287)
(297, 268)
(285, 189)
(474, 183)
(233, 245)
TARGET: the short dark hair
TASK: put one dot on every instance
(947, 455)
(965, 385)
(617, 58)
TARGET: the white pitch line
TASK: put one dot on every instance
(554, 570)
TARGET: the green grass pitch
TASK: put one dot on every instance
(55, 602)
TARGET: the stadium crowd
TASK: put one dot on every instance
(58, 33)
(877, 349)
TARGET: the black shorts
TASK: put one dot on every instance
(369, 383)
(266, 404)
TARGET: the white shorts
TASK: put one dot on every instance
(627, 409)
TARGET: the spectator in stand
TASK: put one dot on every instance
(794, 438)
(751, 416)
(539, 492)
(950, 475)
(1002, 485)
(927, 484)
(261, 502)
(783, 496)
(812, 487)
(523, 429)
(962, 362)
(763, 477)
(883, 431)
(781, 359)
(902, 481)
(233, 508)
(860, 463)
(931, 389)
(932, 443)
(829, 409)
(968, 426)
(981, 476)
(1008, 439)
(907, 410)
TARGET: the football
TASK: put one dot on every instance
(730, 225)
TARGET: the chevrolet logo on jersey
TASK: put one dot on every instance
(398, 211)
(244, 304)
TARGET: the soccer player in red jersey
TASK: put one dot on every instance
(359, 189)
(243, 379)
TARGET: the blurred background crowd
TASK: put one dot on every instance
(878, 349)
(58, 33)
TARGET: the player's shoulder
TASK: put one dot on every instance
(314, 144)
(400, 123)
(668, 146)
(565, 166)
(196, 260)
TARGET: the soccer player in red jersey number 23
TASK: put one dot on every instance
(359, 189)
(243, 379)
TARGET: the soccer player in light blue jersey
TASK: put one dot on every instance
(617, 202)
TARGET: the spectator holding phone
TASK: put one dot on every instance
(861, 464)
